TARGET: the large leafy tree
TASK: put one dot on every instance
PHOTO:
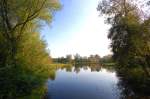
(17, 15)
(23, 54)
(129, 33)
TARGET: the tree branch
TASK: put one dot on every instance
(30, 17)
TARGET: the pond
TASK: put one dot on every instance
(84, 83)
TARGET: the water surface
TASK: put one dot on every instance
(84, 83)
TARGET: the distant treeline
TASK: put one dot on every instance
(77, 59)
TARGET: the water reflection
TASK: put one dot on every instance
(127, 92)
(89, 82)
(84, 82)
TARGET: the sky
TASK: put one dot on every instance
(77, 28)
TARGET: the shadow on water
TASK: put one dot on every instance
(133, 85)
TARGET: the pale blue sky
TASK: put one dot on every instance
(77, 28)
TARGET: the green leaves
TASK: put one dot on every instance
(129, 32)
(24, 60)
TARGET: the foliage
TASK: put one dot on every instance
(129, 33)
(130, 43)
(107, 59)
(24, 60)
(92, 59)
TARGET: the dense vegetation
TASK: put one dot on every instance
(83, 60)
(130, 40)
(25, 63)
(24, 60)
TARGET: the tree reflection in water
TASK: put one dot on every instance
(125, 91)
(134, 83)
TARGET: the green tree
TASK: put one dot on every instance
(69, 58)
(24, 59)
(16, 17)
(129, 33)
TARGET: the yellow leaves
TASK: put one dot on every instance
(33, 53)
(21, 45)
(45, 15)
